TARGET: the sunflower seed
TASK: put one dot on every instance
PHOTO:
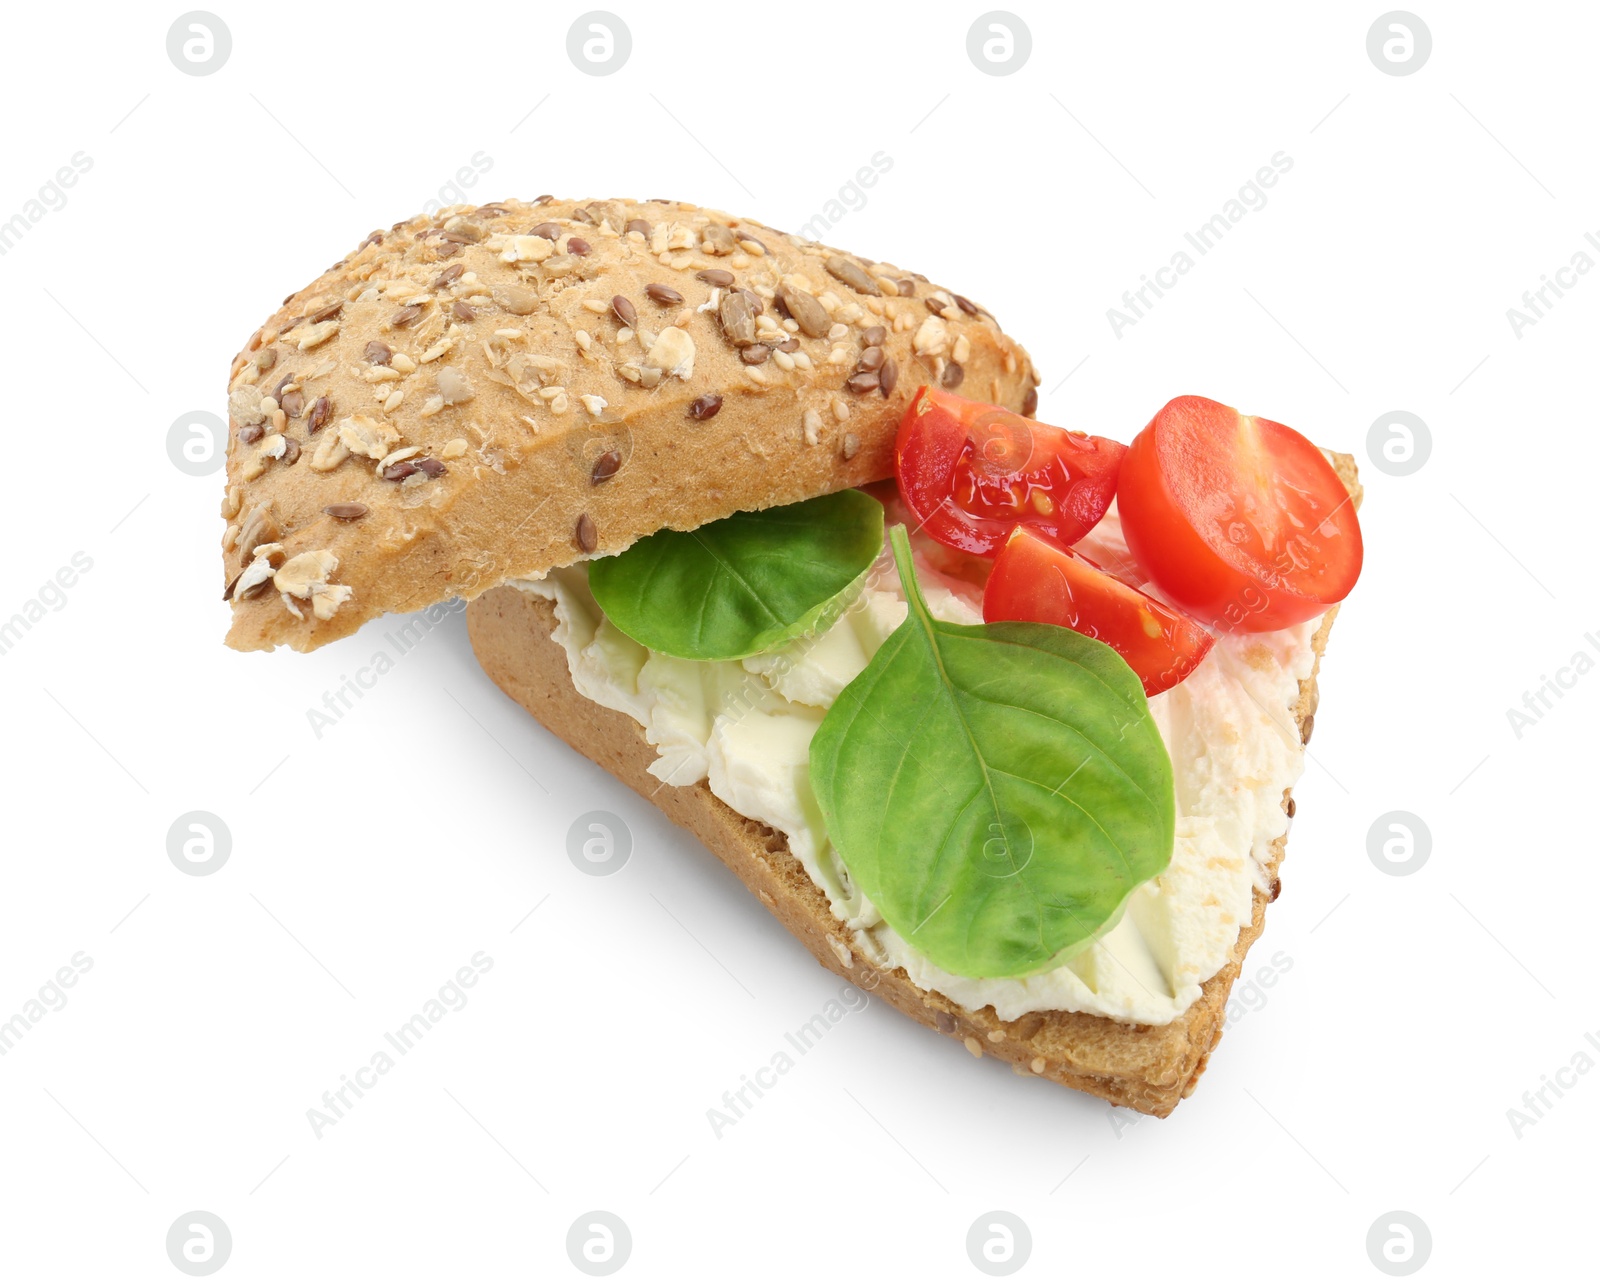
(717, 240)
(516, 299)
(804, 309)
(738, 324)
(851, 274)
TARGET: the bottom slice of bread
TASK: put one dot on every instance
(1144, 1067)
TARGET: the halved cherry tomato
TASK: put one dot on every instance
(1034, 581)
(1238, 520)
(971, 473)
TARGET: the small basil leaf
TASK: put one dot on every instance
(997, 791)
(744, 584)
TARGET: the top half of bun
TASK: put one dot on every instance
(491, 392)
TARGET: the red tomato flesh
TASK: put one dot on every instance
(1034, 581)
(971, 473)
(1238, 520)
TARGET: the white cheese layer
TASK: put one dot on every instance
(746, 727)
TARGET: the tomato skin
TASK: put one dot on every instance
(971, 473)
(1035, 581)
(1238, 520)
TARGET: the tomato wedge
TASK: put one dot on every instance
(1238, 520)
(1034, 581)
(971, 473)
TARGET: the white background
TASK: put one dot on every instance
(369, 864)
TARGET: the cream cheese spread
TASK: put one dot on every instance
(745, 728)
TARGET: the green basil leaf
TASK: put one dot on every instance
(744, 584)
(997, 791)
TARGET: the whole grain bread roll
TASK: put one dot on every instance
(492, 392)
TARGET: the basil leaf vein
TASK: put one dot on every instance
(744, 584)
(997, 791)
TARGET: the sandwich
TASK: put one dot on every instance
(1001, 720)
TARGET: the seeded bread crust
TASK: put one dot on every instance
(1143, 1067)
(495, 391)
